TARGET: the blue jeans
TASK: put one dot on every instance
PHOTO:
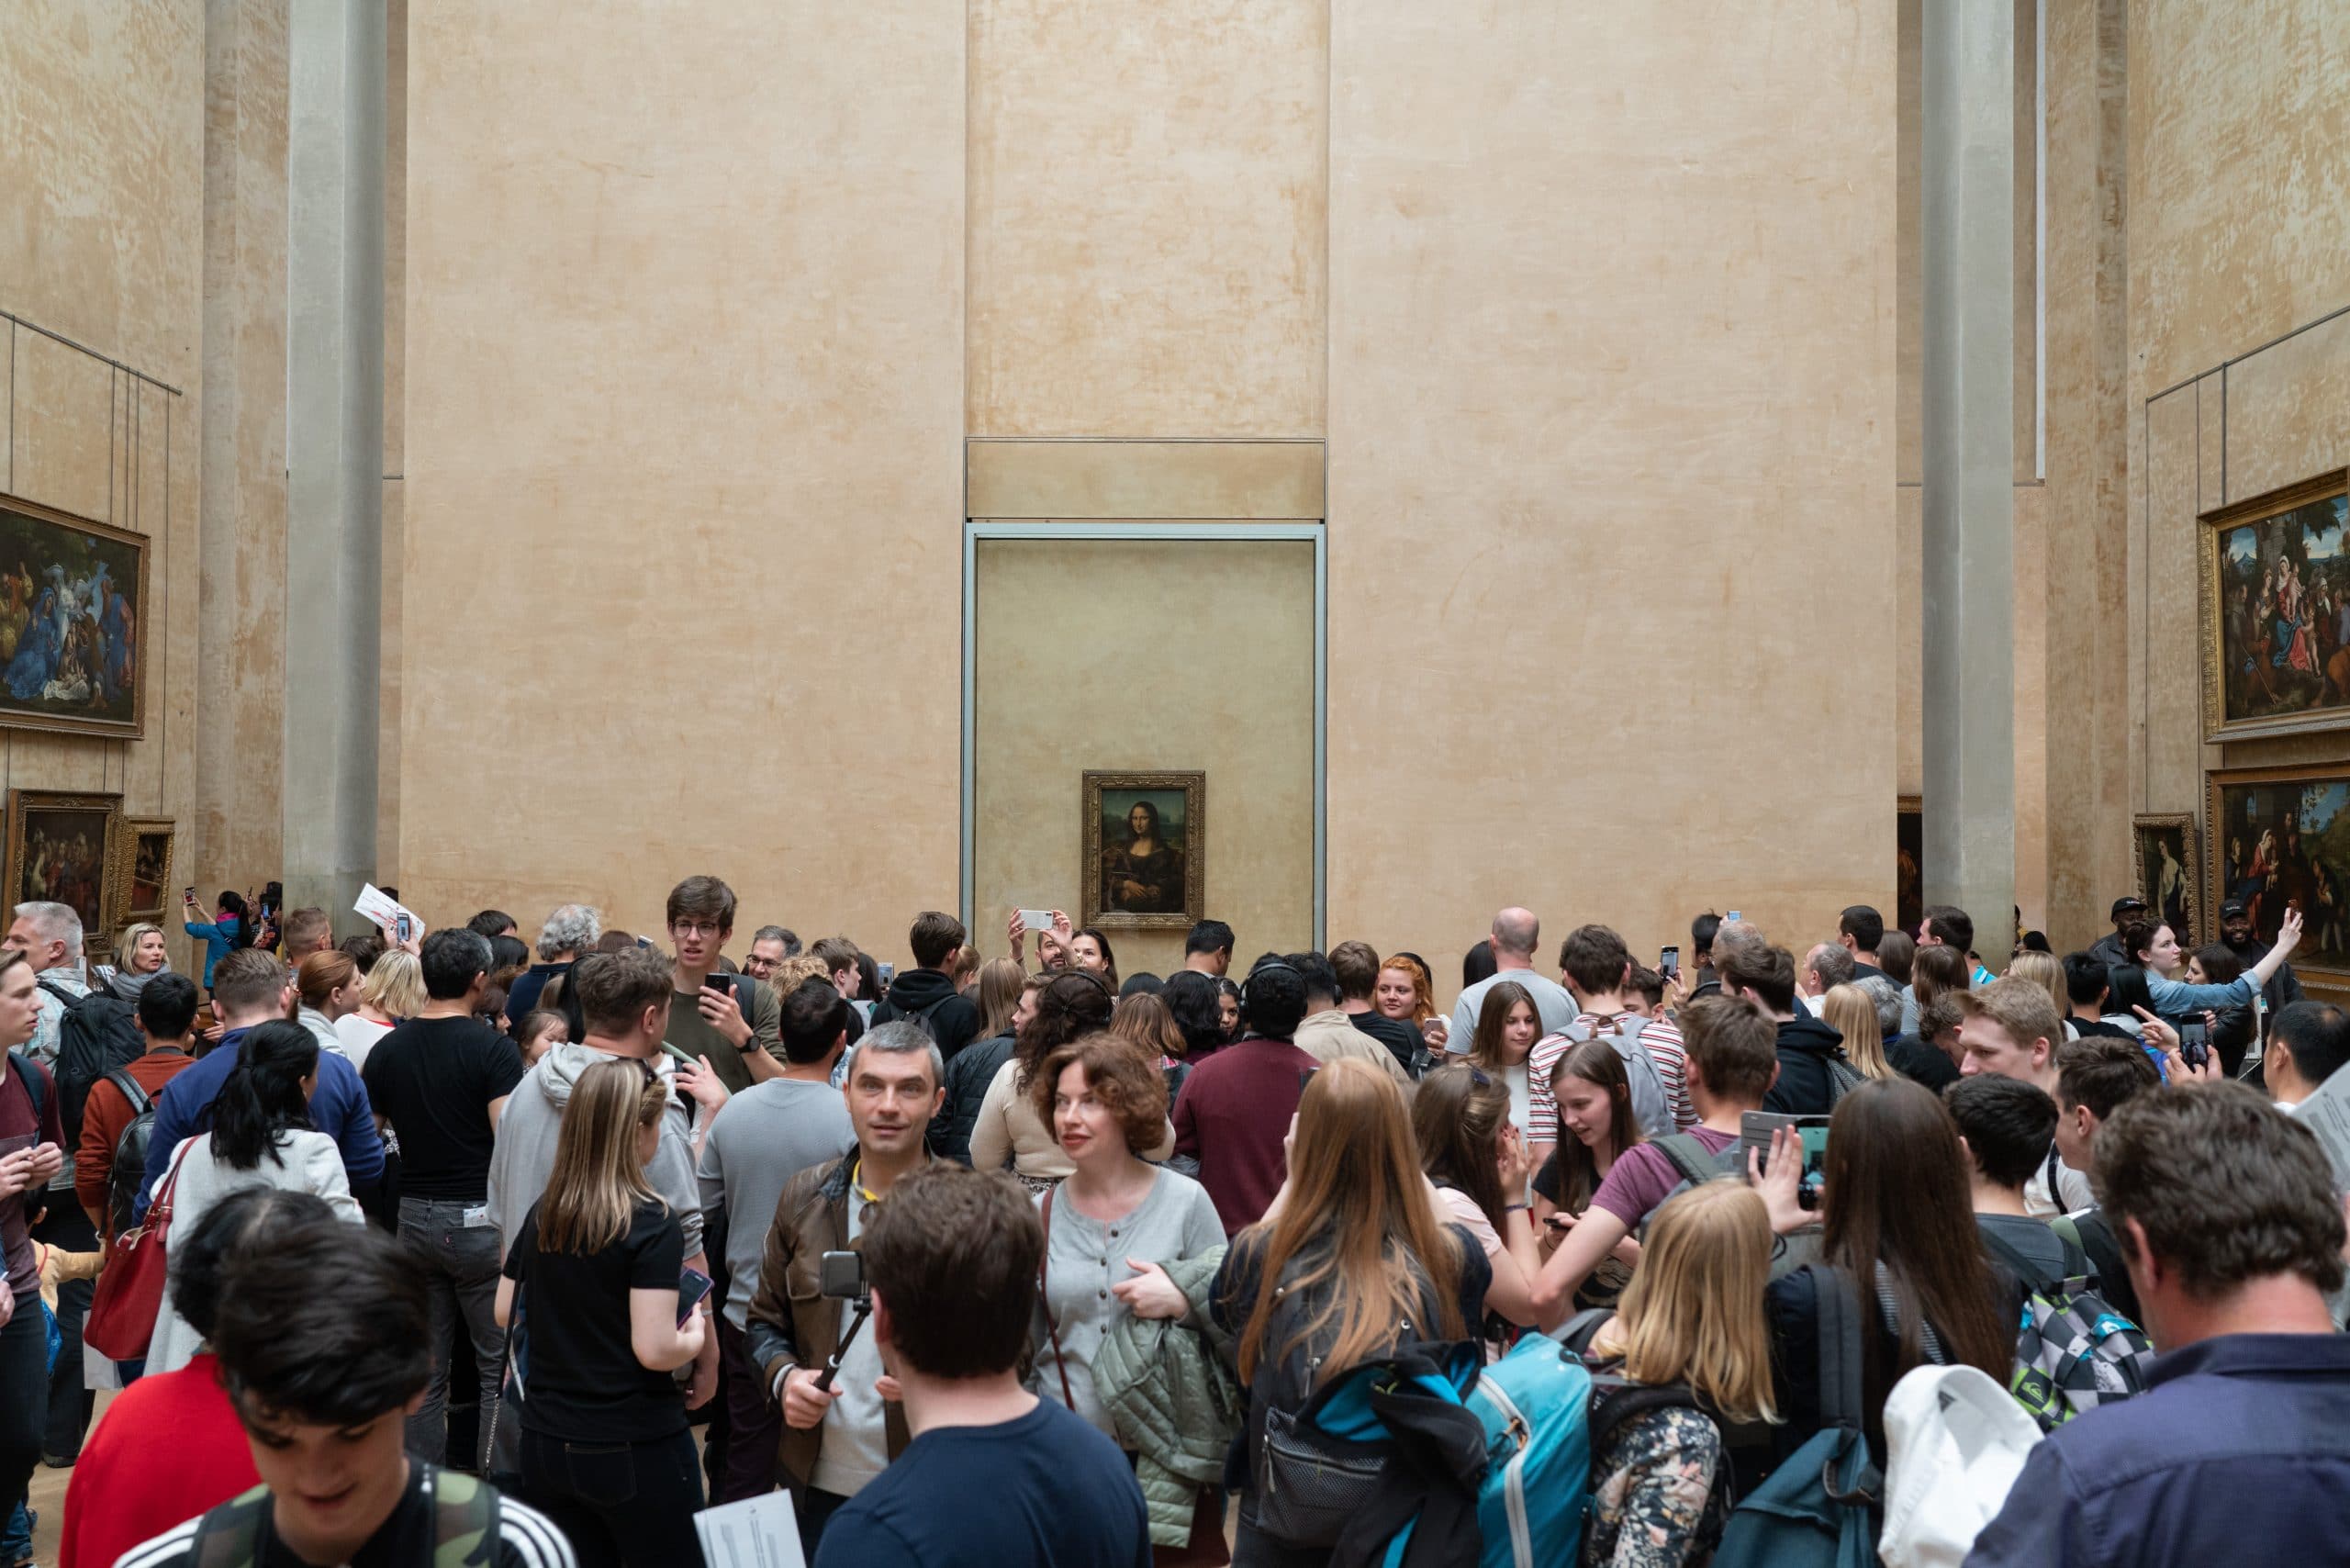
(459, 1264)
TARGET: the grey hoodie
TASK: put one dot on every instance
(524, 1158)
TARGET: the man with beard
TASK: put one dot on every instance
(2237, 933)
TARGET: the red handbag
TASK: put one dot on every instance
(130, 1287)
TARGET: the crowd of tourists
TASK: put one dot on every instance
(435, 1247)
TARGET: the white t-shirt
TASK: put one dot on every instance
(857, 1435)
(2072, 1193)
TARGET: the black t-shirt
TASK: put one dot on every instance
(584, 1382)
(1921, 1061)
(405, 1540)
(433, 1079)
(1402, 1040)
(1043, 1488)
(2091, 1028)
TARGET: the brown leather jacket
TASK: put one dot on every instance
(791, 1322)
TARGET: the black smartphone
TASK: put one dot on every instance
(841, 1275)
(1668, 961)
(716, 981)
(2194, 1045)
(693, 1286)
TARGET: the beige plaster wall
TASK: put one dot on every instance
(1146, 253)
(683, 458)
(1611, 447)
(101, 231)
(1088, 660)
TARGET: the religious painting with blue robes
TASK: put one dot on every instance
(73, 622)
(2276, 611)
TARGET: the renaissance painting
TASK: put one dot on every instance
(73, 599)
(57, 854)
(143, 868)
(2165, 847)
(2279, 840)
(2276, 611)
(1909, 866)
(1146, 849)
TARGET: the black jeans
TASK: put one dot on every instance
(623, 1504)
(754, 1421)
(67, 1229)
(24, 1396)
(815, 1510)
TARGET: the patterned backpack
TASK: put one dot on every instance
(2073, 1351)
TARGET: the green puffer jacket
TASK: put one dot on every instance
(1166, 1384)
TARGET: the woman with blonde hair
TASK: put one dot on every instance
(596, 1265)
(142, 959)
(2045, 970)
(1350, 1262)
(1001, 980)
(1848, 1010)
(1692, 1319)
(1007, 1001)
(395, 989)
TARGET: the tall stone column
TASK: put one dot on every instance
(334, 449)
(1968, 212)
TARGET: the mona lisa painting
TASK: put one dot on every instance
(1145, 850)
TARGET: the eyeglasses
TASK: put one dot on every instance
(696, 928)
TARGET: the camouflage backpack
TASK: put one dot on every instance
(2073, 1351)
(465, 1524)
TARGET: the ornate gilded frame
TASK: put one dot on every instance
(2331, 976)
(2190, 860)
(1195, 786)
(98, 943)
(123, 859)
(2210, 525)
(14, 718)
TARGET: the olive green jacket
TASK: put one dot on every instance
(1168, 1386)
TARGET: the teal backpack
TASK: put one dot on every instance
(1818, 1509)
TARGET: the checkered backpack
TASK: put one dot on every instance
(2073, 1351)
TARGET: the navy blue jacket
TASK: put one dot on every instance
(2238, 1451)
(338, 1108)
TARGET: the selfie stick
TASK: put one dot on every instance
(864, 1311)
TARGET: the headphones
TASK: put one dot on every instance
(1268, 967)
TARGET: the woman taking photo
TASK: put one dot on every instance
(1074, 1003)
(330, 988)
(1460, 1121)
(596, 1265)
(1660, 1484)
(227, 930)
(2153, 951)
(394, 991)
(1896, 1221)
(261, 1137)
(1349, 1262)
(1507, 1026)
(1596, 1127)
(1115, 1221)
(1848, 1010)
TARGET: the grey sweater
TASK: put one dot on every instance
(524, 1157)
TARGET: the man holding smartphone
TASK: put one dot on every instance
(731, 1020)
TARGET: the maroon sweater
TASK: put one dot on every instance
(1232, 1116)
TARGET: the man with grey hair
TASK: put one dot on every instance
(838, 1440)
(1826, 967)
(1885, 996)
(1516, 935)
(770, 946)
(571, 929)
(51, 935)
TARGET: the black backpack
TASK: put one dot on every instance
(129, 1153)
(97, 1033)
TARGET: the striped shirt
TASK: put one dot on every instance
(526, 1538)
(1660, 1036)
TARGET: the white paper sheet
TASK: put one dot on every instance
(758, 1532)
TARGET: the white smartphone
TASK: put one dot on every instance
(1732, 918)
(1036, 919)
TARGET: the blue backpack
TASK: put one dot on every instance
(1819, 1509)
(1421, 1460)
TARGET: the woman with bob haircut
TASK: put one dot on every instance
(1460, 1120)
(1350, 1262)
(1660, 1488)
(596, 1263)
(1117, 1219)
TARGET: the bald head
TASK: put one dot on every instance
(1516, 933)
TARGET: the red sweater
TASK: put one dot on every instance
(168, 1448)
(1232, 1116)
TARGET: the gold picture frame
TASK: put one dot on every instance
(84, 669)
(2169, 872)
(2278, 837)
(2273, 585)
(1163, 890)
(60, 844)
(142, 868)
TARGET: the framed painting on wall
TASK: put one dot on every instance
(2166, 872)
(1908, 864)
(1145, 853)
(73, 605)
(2279, 837)
(2274, 597)
(58, 843)
(143, 868)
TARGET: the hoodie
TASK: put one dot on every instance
(1805, 1088)
(524, 1156)
(953, 1021)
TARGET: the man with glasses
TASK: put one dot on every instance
(770, 946)
(731, 1021)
